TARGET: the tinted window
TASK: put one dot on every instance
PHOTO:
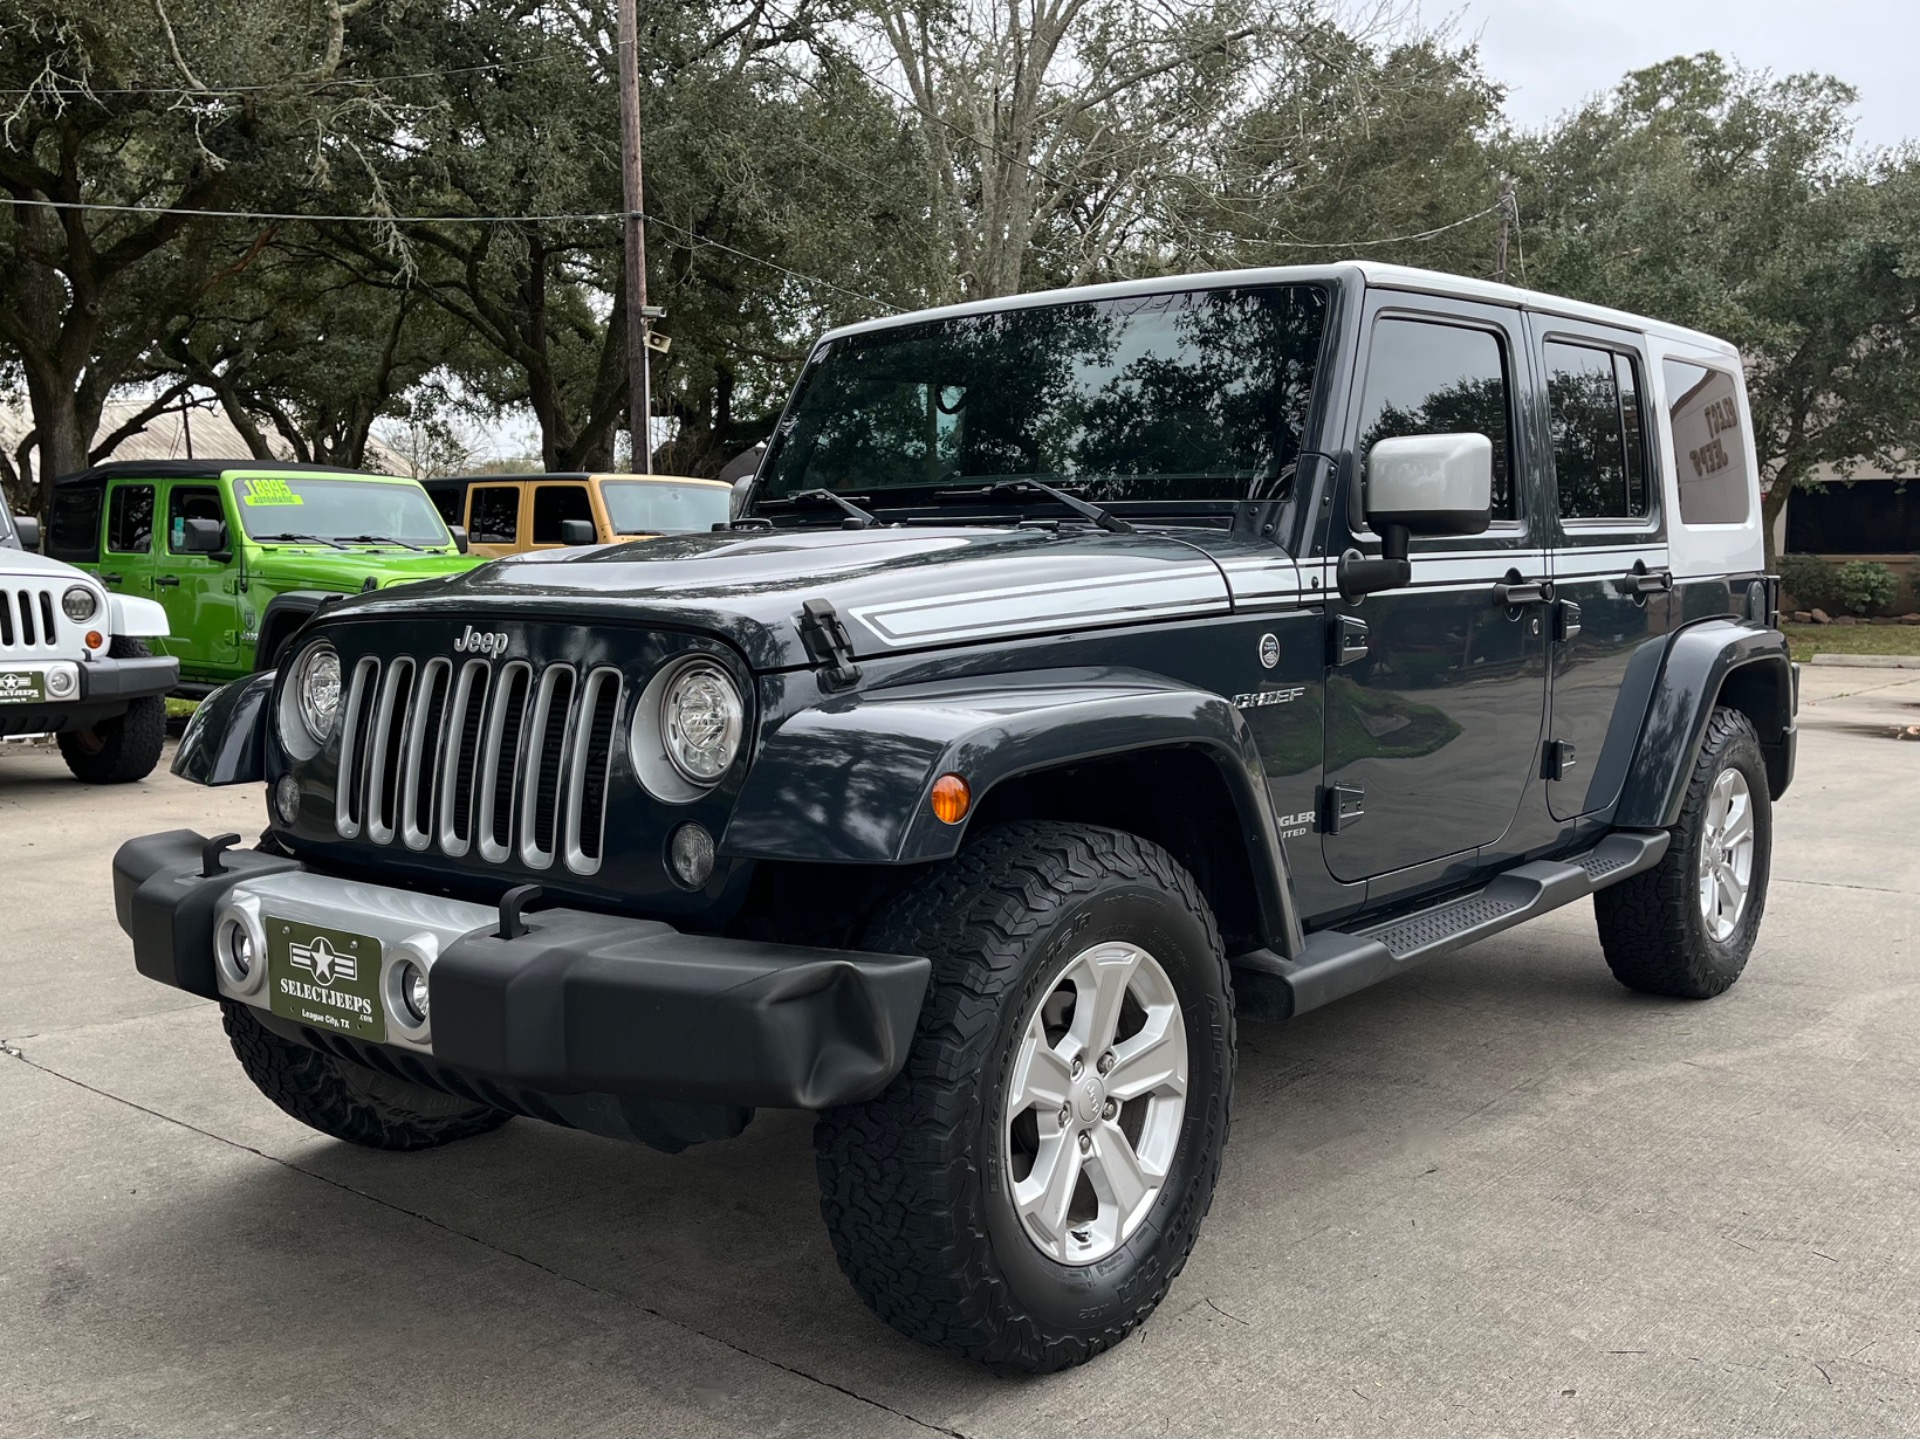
(1429, 379)
(130, 519)
(191, 503)
(1153, 397)
(1712, 456)
(651, 507)
(75, 531)
(494, 516)
(1593, 412)
(554, 503)
(447, 499)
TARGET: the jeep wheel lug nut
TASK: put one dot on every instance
(1106, 1062)
(1066, 1115)
(1086, 1142)
(1078, 1065)
(1109, 1109)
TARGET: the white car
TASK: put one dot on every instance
(74, 662)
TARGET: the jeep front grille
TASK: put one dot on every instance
(509, 763)
(26, 620)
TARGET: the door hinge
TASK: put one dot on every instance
(1566, 620)
(1350, 641)
(1340, 806)
(1558, 759)
(828, 646)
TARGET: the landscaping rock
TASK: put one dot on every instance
(1845, 620)
(1805, 617)
(1819, 616)
(1910, 619)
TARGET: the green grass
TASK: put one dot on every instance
(1810, 640)
(180, 709)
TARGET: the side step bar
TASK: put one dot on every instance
(1336, 963)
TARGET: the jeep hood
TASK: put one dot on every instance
(896, 590)
(302, 567)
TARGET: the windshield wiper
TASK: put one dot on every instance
(381, 540)
(300, 540)
(862, 519)
(1083, 508)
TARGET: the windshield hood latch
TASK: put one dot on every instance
(828, 646)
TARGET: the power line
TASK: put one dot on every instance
(289, 217)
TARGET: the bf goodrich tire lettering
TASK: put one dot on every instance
(914, 1184)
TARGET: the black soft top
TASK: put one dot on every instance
(188, 470)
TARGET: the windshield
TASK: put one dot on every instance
(656, 507)
(338, 510)
(1193, 396)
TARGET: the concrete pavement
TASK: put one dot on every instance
(1500, 1194)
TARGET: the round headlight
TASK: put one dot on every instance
(701, 720)
(316, 683)
(80, 603)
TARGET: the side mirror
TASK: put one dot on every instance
(577, 532)
(1419, 485)
(202, 537)
(460, 541)
(28, 530)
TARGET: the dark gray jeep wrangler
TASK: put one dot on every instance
(1084, 671)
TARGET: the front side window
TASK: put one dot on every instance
(554, 503)
(493, 517)
(191, 502)
(1192, 396)
(657, 507)
(130, 520)
(1425, 378)
(298, 508)
(1593, 408)
(1712, 455)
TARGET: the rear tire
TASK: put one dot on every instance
(348, 1101)
(125, 748)
(934, 1193)
(1673, 931)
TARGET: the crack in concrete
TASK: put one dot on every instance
(625, 1302)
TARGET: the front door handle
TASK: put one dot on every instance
(160, 581)
(1515, 590)
(1642, 581)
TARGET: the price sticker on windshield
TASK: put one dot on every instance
(270, 492)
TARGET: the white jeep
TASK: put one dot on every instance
(74, 662)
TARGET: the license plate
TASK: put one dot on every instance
(22, 687)
(327, 978)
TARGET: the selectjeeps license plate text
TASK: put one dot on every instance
(325, 977)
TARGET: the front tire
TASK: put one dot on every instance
(1025, 1191)
(125, 748)
(1685, 928)
(348, 1101)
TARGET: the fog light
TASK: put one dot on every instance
(238, 945)
(413, 991)
(692, 853)
(286, 799)
(60, 683)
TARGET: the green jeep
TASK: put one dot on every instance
(241, 553)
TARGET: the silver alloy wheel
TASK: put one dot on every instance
(1095, 1103)
(1726, 854)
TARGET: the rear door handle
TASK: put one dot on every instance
(1642, 581)
(1515, 590)
(110, 579)
(165, 580)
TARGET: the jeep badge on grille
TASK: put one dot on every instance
(490, 643)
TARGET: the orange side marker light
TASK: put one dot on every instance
(951, 799)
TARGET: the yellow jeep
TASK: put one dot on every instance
(509, 514)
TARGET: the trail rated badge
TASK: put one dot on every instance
(326, 978)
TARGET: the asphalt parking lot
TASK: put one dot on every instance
(1500, 1194)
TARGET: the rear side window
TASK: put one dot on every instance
(446, 499)
(494, 516)
(130, 520)
(1593, 406)
(74, 533)
(1432, 379)
(1712, 453)
(554, 503)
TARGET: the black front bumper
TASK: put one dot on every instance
(582, 1003)
(107, 687)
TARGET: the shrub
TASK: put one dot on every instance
(1864, 587)
(1811, 582)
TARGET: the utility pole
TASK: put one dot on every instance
(639, 370)
(1506, 218)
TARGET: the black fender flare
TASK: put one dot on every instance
(849, 781)
(285, 614)
(226, 736)
(1746, 661)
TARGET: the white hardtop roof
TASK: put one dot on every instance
(1378, 276)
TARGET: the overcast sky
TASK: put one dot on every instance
(1552, 54)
